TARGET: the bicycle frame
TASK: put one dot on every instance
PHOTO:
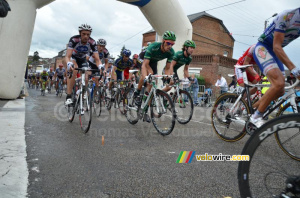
(290, 95)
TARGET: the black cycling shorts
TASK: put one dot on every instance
(80, 62)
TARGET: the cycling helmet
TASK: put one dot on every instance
(169, 35)
(190, 43)
(111, 61)
(135, 56)
(101, 42)
(126, 52)
(60, 65)
(85, 27)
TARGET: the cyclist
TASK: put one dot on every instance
(79, 46)
(60, 73)
(33, 79)
(120, 65)
(44, 79)
(270, 57)
(51, 74)
(252, 75)
(137, 65)
(155, 52)
(103, 55)
(38, 75)
(181, 58)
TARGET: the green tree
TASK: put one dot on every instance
(121, 53)
(36, 56)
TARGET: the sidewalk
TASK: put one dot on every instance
(13, 165)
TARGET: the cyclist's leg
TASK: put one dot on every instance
(71, 81)
(271, 66)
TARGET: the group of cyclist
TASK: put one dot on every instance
(267, 53)
(85, 51)
(45, 76)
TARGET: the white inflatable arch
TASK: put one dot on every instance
(17, 28)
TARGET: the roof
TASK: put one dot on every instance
(196, 16)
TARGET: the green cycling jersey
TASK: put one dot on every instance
(154, 53)
(181, 59)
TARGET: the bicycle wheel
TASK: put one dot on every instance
(72, 108)
(96, 101)
(270, 172)
(85, 114)
(163, 112)
(289, 141)
(60, 90)
(229, 127)
(102, 101)
(184, 106)
(131, 108)
(121, 101)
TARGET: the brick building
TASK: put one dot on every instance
(214, 46)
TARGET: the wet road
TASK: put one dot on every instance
(135, 161)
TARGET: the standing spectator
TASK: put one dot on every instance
(291, 79)
(195, 87)
(185, 86)
(233, 82)
(221, 82)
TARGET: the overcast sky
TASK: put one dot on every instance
(123, 24)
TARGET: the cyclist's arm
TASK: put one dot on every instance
(169, 70)
(106, 64)
(277, 48)
(97, 59)
(186, 71)
(249, 69)
(68, 55)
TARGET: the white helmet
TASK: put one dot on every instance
(111, 61)
(85, 27)
(101, 42)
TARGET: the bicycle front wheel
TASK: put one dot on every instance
(269, 171)
(289, 141)
(229, 126)
(163, 112)
(130, 106)
(85, 111)
(184, 106)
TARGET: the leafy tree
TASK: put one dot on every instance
(36, 56)
(121, 53)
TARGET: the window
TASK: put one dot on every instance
(225, 53)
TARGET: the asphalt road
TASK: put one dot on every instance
(135, 161)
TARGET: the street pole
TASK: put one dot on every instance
(266, 21)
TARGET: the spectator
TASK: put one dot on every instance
(233, 82)
(195, 87)
(185, 86)
(221, 82)
(291, 79)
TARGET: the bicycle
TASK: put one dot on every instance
(43, 87)
(182, 101)
(161, 107)
(270, 173)
(235, 111)
(82, 102)
(117, 96)
(60, 88)
(49, 85)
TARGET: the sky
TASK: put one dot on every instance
(123, 24)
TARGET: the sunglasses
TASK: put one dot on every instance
(168, 43)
